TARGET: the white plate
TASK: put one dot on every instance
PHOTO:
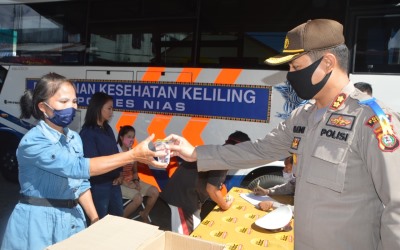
(276, 219)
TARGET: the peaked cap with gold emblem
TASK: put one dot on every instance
(317, 34)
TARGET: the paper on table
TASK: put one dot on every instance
(255, 199)
(276, 219)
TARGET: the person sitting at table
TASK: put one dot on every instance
(287, 188)
(188, 189)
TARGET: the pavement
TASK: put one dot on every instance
(9, 193)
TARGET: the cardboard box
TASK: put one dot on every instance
(113, 232)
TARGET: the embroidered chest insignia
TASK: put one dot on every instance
(341, 121)
(338, 101)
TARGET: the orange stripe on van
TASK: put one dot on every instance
(228, 76)
(188, 75)
(127, 118)
(194, 128)
(158, 125)
(153, 74)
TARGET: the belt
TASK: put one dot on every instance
(45, 202)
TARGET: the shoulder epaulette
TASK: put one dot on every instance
(382, 118)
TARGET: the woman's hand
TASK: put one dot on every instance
(179, 146)
(142, 153)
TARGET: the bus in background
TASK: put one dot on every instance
(192, 67)
(373, 34)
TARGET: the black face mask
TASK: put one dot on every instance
(301, 81)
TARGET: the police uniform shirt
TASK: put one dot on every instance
(347, 172)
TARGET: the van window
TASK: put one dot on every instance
(377, 47)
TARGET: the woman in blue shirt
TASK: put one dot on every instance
(99, 140)
(53, 174)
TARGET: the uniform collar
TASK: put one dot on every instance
(340, 99)
(309, 105)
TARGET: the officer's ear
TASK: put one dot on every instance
(329, 62)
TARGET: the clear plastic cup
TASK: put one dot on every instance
(160, 145)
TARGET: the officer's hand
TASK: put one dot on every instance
(179, 146)
(260, 191)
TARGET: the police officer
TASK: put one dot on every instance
(345, 146)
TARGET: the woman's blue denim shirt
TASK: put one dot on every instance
(51, 164)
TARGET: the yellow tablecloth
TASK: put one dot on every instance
(236, 228)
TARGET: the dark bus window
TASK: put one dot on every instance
(43, 33)
(173, 33)
(377, 44)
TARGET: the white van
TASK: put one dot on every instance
(203, 105)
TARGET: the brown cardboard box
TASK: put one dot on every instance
(113, 232)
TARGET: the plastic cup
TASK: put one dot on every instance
(160, 145)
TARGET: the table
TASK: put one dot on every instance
(236, 228)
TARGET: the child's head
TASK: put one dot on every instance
(237, 137)
(126, 136)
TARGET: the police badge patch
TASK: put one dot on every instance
(386, 142)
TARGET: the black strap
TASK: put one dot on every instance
(45, 202)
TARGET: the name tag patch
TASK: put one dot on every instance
(299, 129)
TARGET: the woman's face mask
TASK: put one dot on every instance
(62, 117)
(301, 81)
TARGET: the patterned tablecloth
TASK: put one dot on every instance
(236, 228)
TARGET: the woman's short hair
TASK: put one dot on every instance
(45, 88)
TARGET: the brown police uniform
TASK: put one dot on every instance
(347, 172)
